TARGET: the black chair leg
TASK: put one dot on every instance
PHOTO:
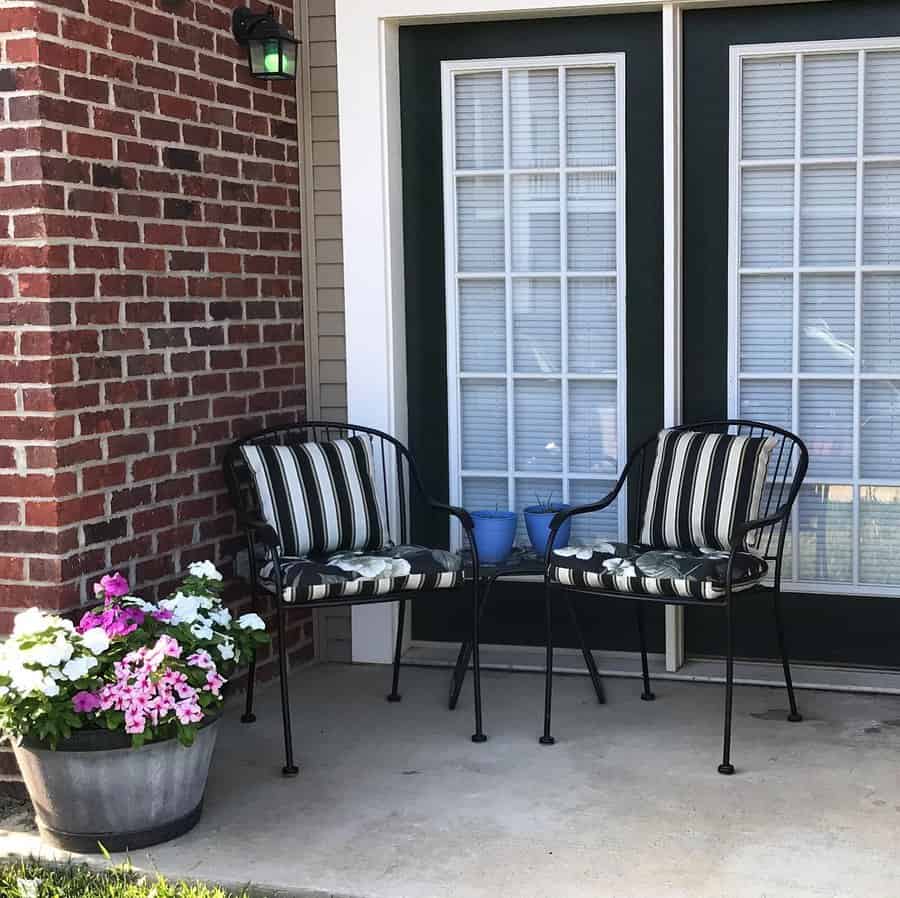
(586, 651)
(395, 696)
(794, 716)
(465, 654)
(647, 695)
(547, 739)
(248, 716)
(290, 768)
(726, 767)
(478, 735)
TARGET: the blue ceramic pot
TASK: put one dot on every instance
(537, 522)
(494, 534)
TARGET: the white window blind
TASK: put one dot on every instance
(815, 292)
(534, 213)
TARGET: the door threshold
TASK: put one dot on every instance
(628, 664)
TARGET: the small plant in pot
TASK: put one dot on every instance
(537, 522)
(113, 721)
(495, 532)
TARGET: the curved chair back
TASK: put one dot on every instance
(787, 468)
(394, 468)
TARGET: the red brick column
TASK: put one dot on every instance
(149, 288)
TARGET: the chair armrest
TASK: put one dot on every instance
(261, 531)
(743, 530)
(464, 517)
(562, 516)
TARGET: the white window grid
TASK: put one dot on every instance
(455, 377)
(797, 163)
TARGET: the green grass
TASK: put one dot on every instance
(27, 879)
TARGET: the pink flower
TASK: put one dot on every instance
(164, 615)
(202, 659)
(85, 702)
(113, 585)
(214, 682)
(188, 711)
(135, 721)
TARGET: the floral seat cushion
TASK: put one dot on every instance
(361, 574)
(629, 568)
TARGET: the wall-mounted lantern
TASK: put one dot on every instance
(271, 49)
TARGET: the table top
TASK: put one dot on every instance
(521, 561)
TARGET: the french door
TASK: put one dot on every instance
(792, 285)
(533, 262)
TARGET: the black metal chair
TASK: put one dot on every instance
(787, 467)
(399, 486)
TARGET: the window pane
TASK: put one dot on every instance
(534, 491)
(828, 215)
(881, 213)
(827, 322)
(598, 526)
(881, 322)
(882, 110)
(535, 223)
(879, 535)
(767, 323)
(593, 439)
(538, 425)
(593, 331)
(767, 217)
(479, 120)
(534, 118)
(537, 328)
(479, 223)
(768, 401)
(485, 493)
(829, 104)
(592, 221)
(767, 108)
(482, 326)
(879, 435)
(826, 532)
(483, 407)
(591, 116)
(826, 425)
(774, 495)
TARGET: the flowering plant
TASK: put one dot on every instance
(154, 670)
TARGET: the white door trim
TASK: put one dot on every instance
(371, 193)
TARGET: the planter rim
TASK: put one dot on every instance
(89, 740)
(542, 509)
(495, 514)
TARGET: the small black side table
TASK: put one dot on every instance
(520, 563)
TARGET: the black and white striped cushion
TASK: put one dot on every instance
(703, 485)
(319, 497)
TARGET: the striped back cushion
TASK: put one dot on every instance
(320, 497)
(702, 486)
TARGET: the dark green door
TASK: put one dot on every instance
(543, 140)
(812, 159)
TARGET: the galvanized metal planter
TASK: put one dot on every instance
(96, 790)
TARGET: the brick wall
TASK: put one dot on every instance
(150, 293)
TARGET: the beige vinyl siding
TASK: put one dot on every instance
(325, 281)
(324, 260)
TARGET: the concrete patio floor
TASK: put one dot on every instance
(395, 801)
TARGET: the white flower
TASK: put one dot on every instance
(49, 687)
(25, 680)
(95, 640)
(221, 617)
(204, 569)
(146, 607)
(31, 621)
(52, 654)
(78, 667)
(226, 650)
(28, 888)
(202, 630)
(184, 608)
(251, 622)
